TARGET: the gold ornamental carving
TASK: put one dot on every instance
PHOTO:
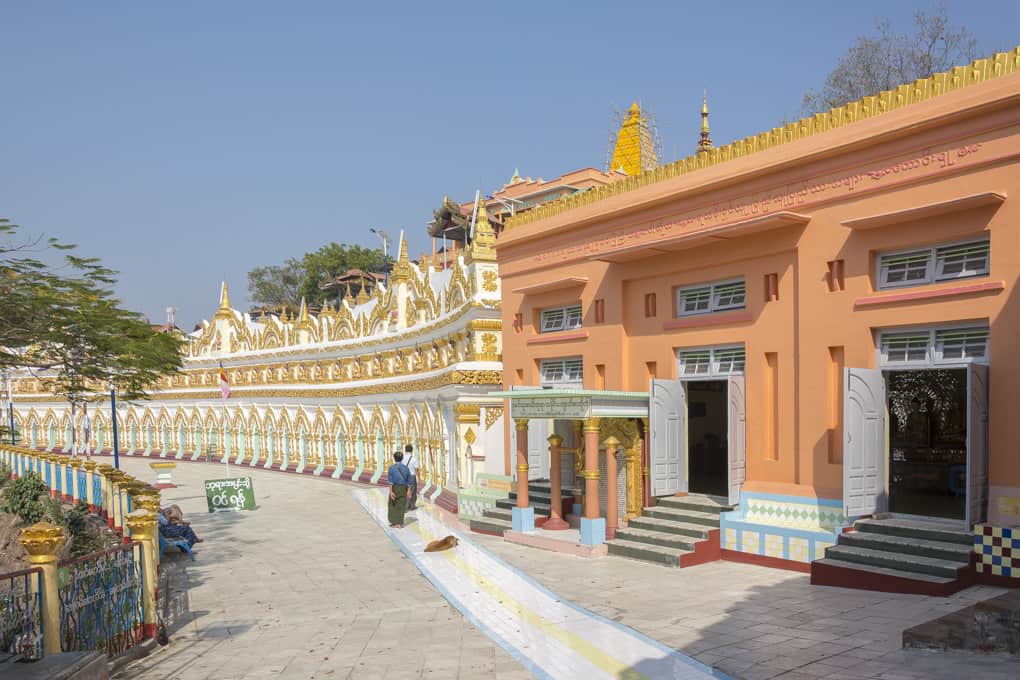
(489, 281)
(492, 414)
(42, 541)
(470, 437)
(1000, 64)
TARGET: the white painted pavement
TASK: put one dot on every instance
(553, 638)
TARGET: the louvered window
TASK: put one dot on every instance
(928, 347)
(562, 372)
(713, 361)
(930, 265)
(708, 298)
(961, 344)
(561, 318)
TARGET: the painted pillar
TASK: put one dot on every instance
(593, 527)
(646, 482)
(578, 465)
(75, 491)
(42, 541)
(612, 498)
(90, 479)
(143, 526)
(522, 515)
(555, 521)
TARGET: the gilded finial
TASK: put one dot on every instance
(224, 296)
(483, 245)
(362, 294)
(705, 143)
(303, 312)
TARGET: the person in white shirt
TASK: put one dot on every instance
(411, 461)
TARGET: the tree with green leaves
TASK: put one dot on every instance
(285, 285)
(888, 59)
(64, 325)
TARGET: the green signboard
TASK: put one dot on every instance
(230, 494)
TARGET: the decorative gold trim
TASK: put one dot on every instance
(1000, 64)
(492, 414)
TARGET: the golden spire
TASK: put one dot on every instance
(303, 313)
(705, 143)
(224, 297)
(483, 243)
(362, 295)
(402, 267)
(634, 151)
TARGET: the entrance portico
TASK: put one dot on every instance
(612, 421)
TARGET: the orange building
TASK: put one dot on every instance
(801, 328)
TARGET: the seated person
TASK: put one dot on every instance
(175, 530)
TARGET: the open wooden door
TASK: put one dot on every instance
(735, 437)
(977, 444)
(864, 464)
(667, 410)
(538, 448)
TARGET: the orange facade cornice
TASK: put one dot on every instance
(971, 202)
(562, 336)
(704, 320)
(555, 284)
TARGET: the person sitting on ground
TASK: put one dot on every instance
(174, 514)
(171, 530)
(399, 478)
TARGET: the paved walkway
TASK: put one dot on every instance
(551, 637)
(306, 586)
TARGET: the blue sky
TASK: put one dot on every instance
(185, 143)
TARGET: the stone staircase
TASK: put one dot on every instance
(989, 626)
(898, 556)
(680, 531)
(499, 519)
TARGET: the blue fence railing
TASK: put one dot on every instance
(101, 602)
(21, 628)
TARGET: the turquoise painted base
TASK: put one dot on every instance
(523, 519)
(593, 531)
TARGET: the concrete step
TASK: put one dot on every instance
(541, 509)
(915, 529)
(953, 552)
(645, 552)
(696, 531)
(662, 538)
(709, 519)
(882, 571)
(697, 503)
(491, 526)
(546, 488)
(538, 496)
(908, 563)
(497, 513)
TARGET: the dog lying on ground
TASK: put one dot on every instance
(442, 544)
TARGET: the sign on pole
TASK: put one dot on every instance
(230, 494)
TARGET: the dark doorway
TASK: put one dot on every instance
(928, 442)
(706, 437)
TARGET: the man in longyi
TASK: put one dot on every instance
(399, 478)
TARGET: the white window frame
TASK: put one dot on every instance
(934, 266)
(714, 292)
(570, 372)
(715, 354)
(571, 317)
(933, 350)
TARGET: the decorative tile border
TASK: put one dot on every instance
(784, 528)
(998, 551)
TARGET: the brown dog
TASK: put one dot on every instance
(442, 544)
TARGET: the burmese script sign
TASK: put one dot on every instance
(230, 494)
(572, 408)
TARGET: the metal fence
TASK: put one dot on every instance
(101, 602)
(21, 628)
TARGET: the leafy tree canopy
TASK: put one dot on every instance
(887, 59)
(284, 285)
(64, 324)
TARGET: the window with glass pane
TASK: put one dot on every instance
(694, 300)
(961, 344)
(905, 347)
(728, 295)
(696, 362)
(552, 371)
(573, 316)
(961, 261)
(729, 361)
(573, 370)
(904, 269)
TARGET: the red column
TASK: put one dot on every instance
(612, 513)
(522, 462)
(591, 468)
(555, 521)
